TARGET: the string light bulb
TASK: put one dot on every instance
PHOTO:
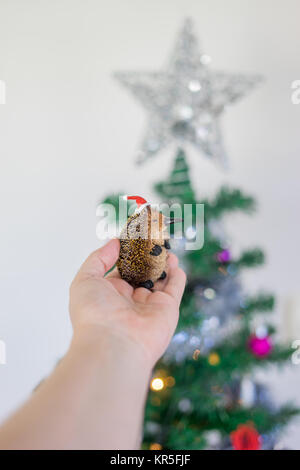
(170, 381)
(213, 359)
(155, 446)
(157, 384)
(209, 293)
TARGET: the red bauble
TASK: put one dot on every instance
(245, 437)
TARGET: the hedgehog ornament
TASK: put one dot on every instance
(144, 242)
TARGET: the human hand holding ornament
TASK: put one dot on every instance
(138, 317)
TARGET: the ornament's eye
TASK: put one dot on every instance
(138, 228)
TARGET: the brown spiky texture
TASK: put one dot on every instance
(138, 238)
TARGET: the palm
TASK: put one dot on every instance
(146, 317)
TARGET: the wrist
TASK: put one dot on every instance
(103, 342)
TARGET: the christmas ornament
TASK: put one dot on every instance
(260, 347)
(224, 256)
(144, 243)
(245, 437)
(184, 102)
(213, 359)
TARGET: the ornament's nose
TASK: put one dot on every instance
(172, 220)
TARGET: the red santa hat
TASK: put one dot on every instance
(140, 201)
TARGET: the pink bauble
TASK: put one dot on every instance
(260, 346)
(224, 256)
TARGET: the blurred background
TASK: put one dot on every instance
(69, 135)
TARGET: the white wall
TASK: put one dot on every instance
(68, 134)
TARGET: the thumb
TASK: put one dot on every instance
(100, 261)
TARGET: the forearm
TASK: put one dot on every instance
(93, 400)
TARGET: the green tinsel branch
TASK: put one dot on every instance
(261, 303)
(250, 258)
(228, 200)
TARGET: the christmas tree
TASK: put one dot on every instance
(203, 393)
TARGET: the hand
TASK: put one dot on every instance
(138, 317)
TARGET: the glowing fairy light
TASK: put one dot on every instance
(209, 293)
(213, 359)
(170, 381)
(157, 384)
(155, 446)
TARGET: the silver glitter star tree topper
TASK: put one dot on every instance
(184, 102)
